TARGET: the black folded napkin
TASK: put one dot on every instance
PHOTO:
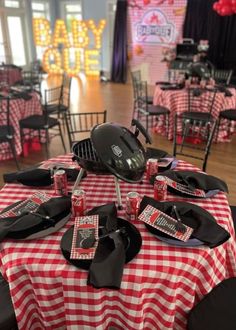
(205, 227)
(106, 268)
(172, 87)
(163, 83)
(194, 180)
(22, 95)
(38, 177)
(25, 224)
(224, 89)
(156, 153)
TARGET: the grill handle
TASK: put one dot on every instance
(79, 177)
(139, 127)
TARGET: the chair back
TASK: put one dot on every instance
(142, 96)
(5, 117)
(66, 81)
(51, 101)
(32, 79)
(78, 123)
(52, 97)
(193, 138)
(216, 310)
(136, 79)
(201, 100)
(222, 76)
(136, 76)
(65, 92)
(176, 75)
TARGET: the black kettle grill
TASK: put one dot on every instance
(112, 149)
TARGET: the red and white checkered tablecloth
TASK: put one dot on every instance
(19, 109)
(159, 286)
(177, 102)
(10, 75)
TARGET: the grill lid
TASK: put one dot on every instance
(120, 151)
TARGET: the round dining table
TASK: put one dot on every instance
(19, 108)
(10, 74)
(176, 100)
(159, 287)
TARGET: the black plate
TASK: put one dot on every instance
(32, 231)
(132, 243)
(172, 240)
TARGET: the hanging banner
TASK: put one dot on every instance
(155, 27)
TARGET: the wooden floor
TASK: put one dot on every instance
(92, 95)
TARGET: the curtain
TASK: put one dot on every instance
(119, 56)
(202, 22)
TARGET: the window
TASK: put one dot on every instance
(16, 40)
(37, 6)
(40, 9)
(12, 4)
(72, 11)
(13, 34)
(2, 50)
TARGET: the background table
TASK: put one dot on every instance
(19, 109)
(177, 102)
(159, 287)
(10, 75)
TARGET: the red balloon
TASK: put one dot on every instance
(224, 2)
(226, 10)
(216, 6)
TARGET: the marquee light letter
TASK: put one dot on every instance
(60, 34)
(41, 28)
(80, 34)
(67, 68)
(91, 62)
(97, 31)
(52, 55)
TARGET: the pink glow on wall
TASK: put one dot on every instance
(154, 28)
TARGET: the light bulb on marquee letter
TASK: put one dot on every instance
(79, 33)
(41, 28)
(52, 67)
(60, 34)
(66, 55)
(97, 31)
(88, 62)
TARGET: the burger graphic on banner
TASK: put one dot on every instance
(154, 28)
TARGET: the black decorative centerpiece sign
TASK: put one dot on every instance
(29, 205)
(85, 237)
(184, 189)
(165, 223)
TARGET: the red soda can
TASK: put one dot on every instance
(160, 188)
(78, 203)
(132, 205)
(151, 167)
(60, 183)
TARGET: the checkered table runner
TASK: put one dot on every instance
(19, 109)
(159, 286)
(177, 102)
